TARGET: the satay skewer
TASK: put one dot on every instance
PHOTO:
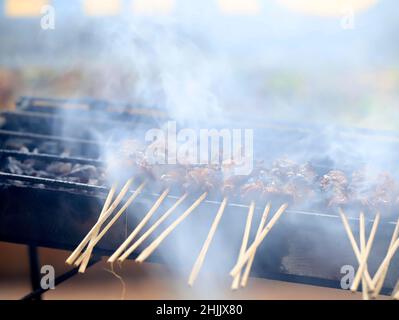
(83, 265)
(201, 257)
(145, 235)
(237, 268)
(140, 226)
(74, 255)
(355, 248)
(395, 292)
(103, 210)
(385, 263)
(262, 223)
(244, 244)
(150, 249)
(380, 281)
(362, 228)
(365, 255)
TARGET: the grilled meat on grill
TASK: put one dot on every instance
(335, 185)
(202, 179)
(284, 180)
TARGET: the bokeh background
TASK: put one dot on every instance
(332, 61)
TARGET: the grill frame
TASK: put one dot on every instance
(88, 199)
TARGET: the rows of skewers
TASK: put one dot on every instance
(285, 182)
(371, 286)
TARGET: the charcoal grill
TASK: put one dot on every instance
(57, 212)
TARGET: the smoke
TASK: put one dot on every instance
(171, 71)
(177, 64)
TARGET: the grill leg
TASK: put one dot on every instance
(35, 294)
(34, 269)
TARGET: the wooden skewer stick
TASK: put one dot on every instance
(150, 249)
(104, 209)
(83, 266)
(355, 248)
(100, 221)
(145, 235)
(262, 223)
(380, 282)
(395, 292)
(244, 244)
(237, 268)
(138, 228)
(201, 257)
(387, 260)
(362, 227)
(364, 257)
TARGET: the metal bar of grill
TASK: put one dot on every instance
(51, 183)
(117, 109)
(48, 157)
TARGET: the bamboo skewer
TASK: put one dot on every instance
(147, 252)
(365, 255)
(84, 258)
(355, 248)
(387, 260)
(244, 244)
(380, 281)
(395, 292)
(138, 228)
(104, 209)
(100, 221)
(263, 220)
(201, 257)
(258, 240)
(145, 235)
(362, 251)
(83, 266)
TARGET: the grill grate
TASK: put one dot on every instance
(58, 213)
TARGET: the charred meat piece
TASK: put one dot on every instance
(335, 186)
(307, 174)
(375, 192)
(276, 186)
(334, 179)
(174, 177)
(338, 197)
(202, 179)
(252, 190)
(290, 180)
(284, 169)
(360, 188)
(301, 186)
(129, 160)
(385, 191)
(231, 185)
(231, 182)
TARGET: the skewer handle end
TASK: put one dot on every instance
(68, 262)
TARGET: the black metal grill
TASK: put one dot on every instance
(57, 212)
